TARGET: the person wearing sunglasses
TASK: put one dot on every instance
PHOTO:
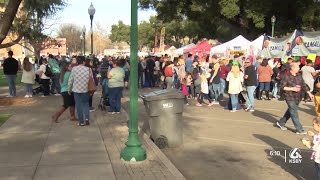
(250, 81)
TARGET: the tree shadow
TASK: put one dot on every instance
(305, 170)
(310, 110)
(269, 117)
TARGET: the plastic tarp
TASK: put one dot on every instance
(238, 43)
(180, 50)
(202, 47)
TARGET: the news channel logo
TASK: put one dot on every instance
(293, 156)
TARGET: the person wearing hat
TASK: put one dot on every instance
(10, 69)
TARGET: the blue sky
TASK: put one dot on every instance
(108, 12)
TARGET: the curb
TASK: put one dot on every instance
(175, 172)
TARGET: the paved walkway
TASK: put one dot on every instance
(32, 147)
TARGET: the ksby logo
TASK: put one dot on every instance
(295, 156)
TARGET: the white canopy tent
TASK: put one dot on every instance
(256, 46)
(237, 44)
(179, 51)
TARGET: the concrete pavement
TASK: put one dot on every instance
(32, 147)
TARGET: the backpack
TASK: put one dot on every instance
(48, 72)
(168, 72)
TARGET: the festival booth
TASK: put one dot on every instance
(236, 46)
(202, 47)
(179, 51)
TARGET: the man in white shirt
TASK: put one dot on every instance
(45, 80)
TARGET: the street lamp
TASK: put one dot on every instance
(133, 150)
(84, 40)
(91, 11)
(81, 38)
(273, 21)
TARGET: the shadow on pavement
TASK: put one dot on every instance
(304, 170)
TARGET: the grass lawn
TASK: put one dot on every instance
(3, 81)
(3, 118)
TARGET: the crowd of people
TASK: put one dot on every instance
(243, 79)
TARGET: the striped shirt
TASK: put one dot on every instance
(79, 79)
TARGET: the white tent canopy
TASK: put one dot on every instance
(256, 46)
(238, 43)
(180, 50)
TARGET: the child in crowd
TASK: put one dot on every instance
(204, 91)
(315, 145)
(184, 90)
(189, 83)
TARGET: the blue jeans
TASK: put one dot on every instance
(55, 84)
(275, 89)
(28, 88)
(317, 166)
(264, 86)
(234, 101)
(222, 86)
(250, 96)
(214, 91)
(292, 113)
(115, 94)
(12, 84)
(82, 106)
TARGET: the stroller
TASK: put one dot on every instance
(38, 89)
(104, 100)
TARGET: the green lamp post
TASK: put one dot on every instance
(133, 150)
(273, 22)
(91, 12)
(81, 38)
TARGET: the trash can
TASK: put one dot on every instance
(165, 108)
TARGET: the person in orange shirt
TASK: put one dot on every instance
(264, 76)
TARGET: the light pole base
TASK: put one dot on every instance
(133, 154)
(133, 151)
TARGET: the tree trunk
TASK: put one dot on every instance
(7, 18)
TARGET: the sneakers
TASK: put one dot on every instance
(233, 110)
(9, 96)
(111, 112)
(301, 132)
(210, 104)
(92, 109)
(251, 110)
(215, 103)
(57, 94)
(87, 123)
(248, 109)
(281, 127)
(117, 112)
(198, 104)
(81, 124)
(26, 96)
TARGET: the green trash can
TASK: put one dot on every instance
(165, 108)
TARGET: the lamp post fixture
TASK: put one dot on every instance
(133, 150)
(81, 38)
(84, 40)
(91, 11)
(273, 22)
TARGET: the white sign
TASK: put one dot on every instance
(167, 105)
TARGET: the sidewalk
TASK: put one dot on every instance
(32, 147)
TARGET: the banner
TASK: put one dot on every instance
(276, 47)
(306, 43)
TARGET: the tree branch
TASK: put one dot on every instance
(16, 41)
(7, 18)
